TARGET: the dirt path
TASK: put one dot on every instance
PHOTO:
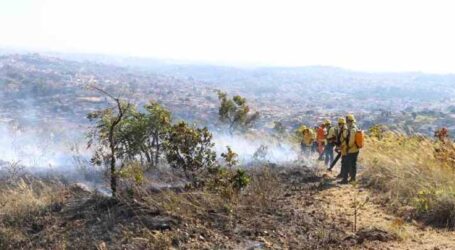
(338, 202)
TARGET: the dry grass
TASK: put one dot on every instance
(25, 197)
(20, 203)
(38, 214)
(412, 172)
(263, 190)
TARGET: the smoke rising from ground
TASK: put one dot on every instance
(46, 149)
(251, 149)
(47, 146)
(36, 147)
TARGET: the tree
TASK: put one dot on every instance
(131, 136)
(158, 125)
(106, 133)
(190, 149)
(141, 135)
(235, 112)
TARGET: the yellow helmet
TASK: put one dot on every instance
(341, 120)
(327, 122)
(350, 118)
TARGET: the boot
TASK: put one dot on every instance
(342, 182)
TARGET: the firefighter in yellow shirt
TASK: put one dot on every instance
(307, 142)
(349, 151)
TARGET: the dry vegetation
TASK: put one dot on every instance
(272, 212)
(23, 204)
(414, 176)
(279, 208)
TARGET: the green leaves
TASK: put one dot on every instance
(235, 112)
(240, 180)
(230, 157)
(132, 171)
(124, 135)
(139, 138)
(190, 148)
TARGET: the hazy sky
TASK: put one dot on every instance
(371, 35)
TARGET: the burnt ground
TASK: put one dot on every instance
(281, 209)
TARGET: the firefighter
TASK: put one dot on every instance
(349, 150)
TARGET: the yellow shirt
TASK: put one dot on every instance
(332, 135)
(308, 137)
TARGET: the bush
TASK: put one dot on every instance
(377, 131)
(190, 149)
(133, 172)
(240, 180)
(227, 181)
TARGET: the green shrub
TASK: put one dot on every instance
(227, 182)
(240, 179)
(190, 149)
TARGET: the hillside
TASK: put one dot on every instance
(177, 184)
(408, 102)
(288, 207)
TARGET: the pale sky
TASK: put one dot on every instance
(372, 35)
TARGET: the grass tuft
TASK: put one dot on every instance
(412, 171)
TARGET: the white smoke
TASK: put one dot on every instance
(43, 146)
(48, 150)
(246, 147)
(53, 146)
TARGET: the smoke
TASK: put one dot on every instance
(61, 146)
(58, 147)
(54, 148)
(38, 147)
(49, 150)
(251, 149)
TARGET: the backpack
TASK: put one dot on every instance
(359, 138)
(320, 134)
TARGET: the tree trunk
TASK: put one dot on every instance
(157, 152)
(113, 162)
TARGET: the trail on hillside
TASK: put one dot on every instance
(338, 203)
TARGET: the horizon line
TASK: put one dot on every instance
(196, 62)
